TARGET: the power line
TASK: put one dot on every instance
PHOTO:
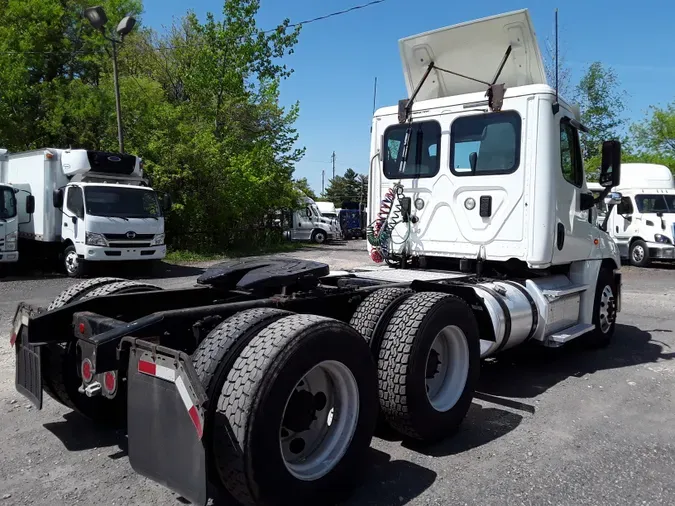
(170, 48)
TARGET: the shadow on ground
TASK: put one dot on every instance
(527, 372)
(78, 433)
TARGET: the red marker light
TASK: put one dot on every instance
(82, 328)
(110, 382)
(596, 242)
(87, 370)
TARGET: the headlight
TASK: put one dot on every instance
(94, 239)
(158, 240)
(10, 241)
(662, 239)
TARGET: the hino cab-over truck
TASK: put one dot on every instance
(90, 206)
(267, 378)
(9, 217)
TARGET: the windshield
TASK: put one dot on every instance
(121, 202)
(655, 203)
(7, 203)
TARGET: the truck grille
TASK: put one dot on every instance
(123, 237)
(116, 244)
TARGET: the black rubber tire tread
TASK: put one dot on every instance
(60, 358)
(374, 313)
(213, 359)
(121, 287)
(596, 338)
(256, 371)
(51, 355)
(395, 365)
(78, 290)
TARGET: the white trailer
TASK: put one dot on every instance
(90, 206)
(644, 223)
(268, 378)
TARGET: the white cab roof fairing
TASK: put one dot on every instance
(474, 49)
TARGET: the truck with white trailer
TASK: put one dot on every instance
(266, 379)
(90, 206)
(644, 223)
(9, 217)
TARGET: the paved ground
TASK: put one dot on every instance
(568, 427)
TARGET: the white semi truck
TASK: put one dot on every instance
(308, 224)
(644, 223)
(90, 206)
(268, 377)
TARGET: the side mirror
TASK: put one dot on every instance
(57, 198)
(586, 201)
(30, 204)
(167, 203)
(613, 198)
(610, 169)
(473, 160)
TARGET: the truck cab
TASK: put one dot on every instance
(308, 224)
(644, 223)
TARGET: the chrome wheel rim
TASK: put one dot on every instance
(71, 262)
(319, 421)
(638, 253)
(447, 368)
(607, 309)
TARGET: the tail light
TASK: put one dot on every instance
(110, 382)
(87, 370)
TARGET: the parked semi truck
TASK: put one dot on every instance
(90, 206)
(644, 223)
(9, 218)
(308, 224)
(267, 378)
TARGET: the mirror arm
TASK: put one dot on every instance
(603, 225)
(602, 195)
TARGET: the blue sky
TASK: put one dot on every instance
(337, 60)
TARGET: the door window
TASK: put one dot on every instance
(75, 202)
(570, 154)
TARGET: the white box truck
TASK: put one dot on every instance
(90, 206)
(484, 210)
(644, 223)
(9, 217)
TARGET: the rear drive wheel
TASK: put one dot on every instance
(319, 236)
(52, 355)
(74, 265)
(428, 365)
(604, 310)
(373, 314)
(639, 254)
(300, 402)
(62, 362)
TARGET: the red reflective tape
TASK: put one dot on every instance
(194, 414)
(147, 367)
(12, 338)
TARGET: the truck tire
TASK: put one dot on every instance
(300, 404)
(428, 366)
(319, 236)
(51, 355)
(604, 310)
(373, 314)
(639, 253)
(74, 266)
(60, 367)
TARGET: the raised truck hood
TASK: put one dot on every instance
(456, 48)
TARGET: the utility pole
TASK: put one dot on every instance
(118, 107)
(333, 160)
(323, 177)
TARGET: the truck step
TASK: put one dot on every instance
(556, 293)
(565, 335)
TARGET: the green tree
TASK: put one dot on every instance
(602, 104)
(302, 186)
(655, 136)
(351, 187)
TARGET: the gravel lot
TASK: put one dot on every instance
(547, 427)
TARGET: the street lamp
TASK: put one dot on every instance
(97, 18)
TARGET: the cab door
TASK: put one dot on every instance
(72, 227)
(574, 230)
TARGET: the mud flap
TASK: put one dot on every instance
(166, 420)
(28, 375)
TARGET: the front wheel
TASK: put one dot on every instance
(319, 237)
(75, 267)
(639, 254)
(604, 310)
